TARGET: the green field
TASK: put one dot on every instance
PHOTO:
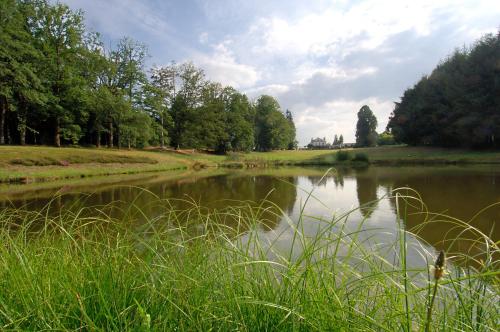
(380, 155)
(29, 164)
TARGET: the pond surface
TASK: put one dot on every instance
(459, 192)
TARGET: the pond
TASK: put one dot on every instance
(307, 198)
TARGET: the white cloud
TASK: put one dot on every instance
(322, 59)
(123, 17)
(271, 89)
(221, 66)
(203, 38)
(307, 70)
(330, 32)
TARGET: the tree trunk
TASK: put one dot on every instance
(98, 139)
(57, 135)
(3, 110)
(22, 135)
(162, 138)
(110, 141)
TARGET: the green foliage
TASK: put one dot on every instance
(365, 128)
(457, 105)
(115, 274)
(361, 157)
(59, 84)
(342, 155)
(273, 129)
(386, 138)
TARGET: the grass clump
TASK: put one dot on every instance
(342, 155)
(199, 269)
(361, 157)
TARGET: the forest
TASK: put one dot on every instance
(59, 85)
(458, 104)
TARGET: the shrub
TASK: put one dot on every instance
(342, 155)
(360, 156)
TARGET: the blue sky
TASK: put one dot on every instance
(323, 60)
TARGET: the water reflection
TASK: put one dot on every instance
(457, 191)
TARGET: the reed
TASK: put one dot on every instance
(202, 269)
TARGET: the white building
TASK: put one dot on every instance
(318, 143)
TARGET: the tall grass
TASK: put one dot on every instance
(199, 269)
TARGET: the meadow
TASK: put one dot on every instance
(34, 164)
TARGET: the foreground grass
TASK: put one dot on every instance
(213, 270)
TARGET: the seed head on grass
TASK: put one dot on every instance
(439, 266)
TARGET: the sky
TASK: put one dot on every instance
(322, 60)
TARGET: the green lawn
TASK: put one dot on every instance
(28, 163)
(381, 155)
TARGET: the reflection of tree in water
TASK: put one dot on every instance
(338, 179)
(210, 194)
(366, 187)
(219, 192)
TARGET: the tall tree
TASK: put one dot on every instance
(272, 129)
(20, 86)
(291, 131)
(189, 97)
(59, 35)
(457, 104)
(365, 127)
(163, 81)
(240, 121)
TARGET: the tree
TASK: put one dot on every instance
(266, 108)
(60, 85)
(20, 86)
(291, 132)
(341, 139)
(240, 121)
(155, 104)
(163, 80)
(365, 127)
(335, 140)
(457, 104)
(385, 138)
(59, 35)
(192, 80)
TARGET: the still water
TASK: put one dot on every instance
(309, 194)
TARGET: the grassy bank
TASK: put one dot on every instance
(188, 270)
(390, 155)
(30, 164)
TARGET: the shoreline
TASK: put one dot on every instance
(30, 164)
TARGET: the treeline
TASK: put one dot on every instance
(458, 105)
(59, 85)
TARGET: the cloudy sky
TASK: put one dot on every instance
(323, 60)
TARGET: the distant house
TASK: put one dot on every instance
(343, 145)
(318, 143)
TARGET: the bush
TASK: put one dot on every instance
(385, 138)
(360, 156)
(342, 155)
